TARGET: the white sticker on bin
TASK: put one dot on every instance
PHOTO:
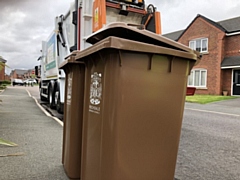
(95, 92)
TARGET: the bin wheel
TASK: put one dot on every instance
(51, 97)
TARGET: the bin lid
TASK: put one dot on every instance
(125, 31)
(135, 46)
(69, 60)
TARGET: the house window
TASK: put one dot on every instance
(198, 78)
(200, 45)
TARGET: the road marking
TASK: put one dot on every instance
(215, 112)
(12, 95)
(47, 113)
(29, 93)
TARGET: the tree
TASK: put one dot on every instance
(2, 64)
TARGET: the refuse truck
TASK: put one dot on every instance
(84, 18)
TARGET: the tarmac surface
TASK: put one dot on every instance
(39, 136)
(225, 107)
(210, 141)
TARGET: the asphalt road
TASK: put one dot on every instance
(210, 141)
(34, 91)
(38, 155)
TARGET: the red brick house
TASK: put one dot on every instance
(22, 74)
(29, 74)
(18, 74)
(219, 43)
(2, 69)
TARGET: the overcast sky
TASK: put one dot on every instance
(25, 23)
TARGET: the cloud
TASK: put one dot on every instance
(24, 24)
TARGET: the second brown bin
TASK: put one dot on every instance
(73, 117)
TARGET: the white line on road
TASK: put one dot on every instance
(200, 110)
(48, 114)
(61, 123)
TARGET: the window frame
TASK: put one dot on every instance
(194, 42)
(193, 84)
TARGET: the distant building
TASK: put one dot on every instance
(2, 69)
(7, 77)
(17, 74)
(29, 74)
(219, 43)
(22, 74)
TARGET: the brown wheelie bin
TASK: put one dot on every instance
(134, 93)
(73, 114)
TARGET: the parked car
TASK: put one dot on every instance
(17, 82)
(30, 81)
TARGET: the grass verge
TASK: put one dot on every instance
(7, 143)
(204, 99)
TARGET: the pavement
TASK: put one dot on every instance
(231, 107)
(39, 136)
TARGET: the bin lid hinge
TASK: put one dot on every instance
(100, 56)
(150, 62)
(92, 60)
(95, 62)
(120, 58)
(171, 63)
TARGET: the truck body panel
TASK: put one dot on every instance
(83, 18)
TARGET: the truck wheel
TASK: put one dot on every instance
(59, 105)
(51, 98)
(42, 98)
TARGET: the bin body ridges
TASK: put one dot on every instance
(134, 132)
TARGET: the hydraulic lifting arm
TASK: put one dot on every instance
(128, 11)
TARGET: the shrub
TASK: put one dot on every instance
(3, 86)
(6, 82)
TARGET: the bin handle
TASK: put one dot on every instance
(139, 26)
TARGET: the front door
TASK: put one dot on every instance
(236, 82)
